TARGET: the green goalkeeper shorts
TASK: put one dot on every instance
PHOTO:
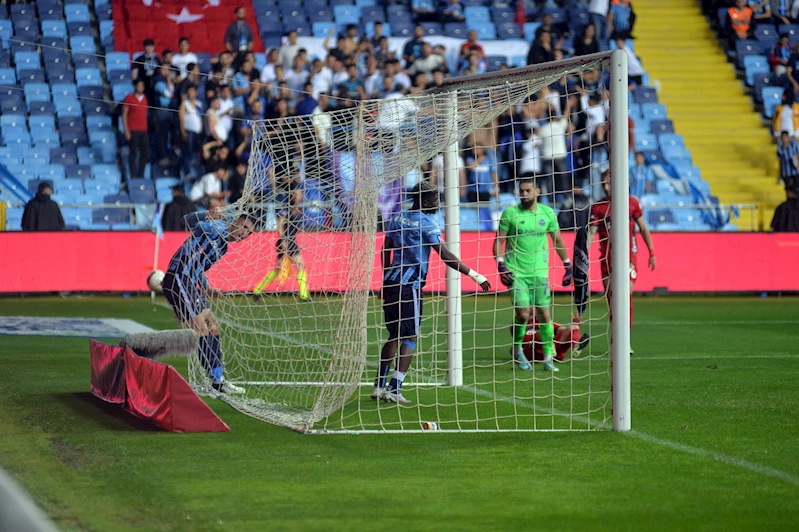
(531, 292)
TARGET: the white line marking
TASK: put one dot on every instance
(750, 322)
(126, 326)
(697, 451)
(711, 357)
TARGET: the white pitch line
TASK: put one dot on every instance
(711, 357)
(750, 322)
(696, 451)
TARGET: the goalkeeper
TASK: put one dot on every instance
(524, 268)
(406, 250)
(185, 284)
(288, 252)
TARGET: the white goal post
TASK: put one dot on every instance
(306, 346)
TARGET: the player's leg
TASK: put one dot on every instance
(542, 301)
(522, 303)
(409, 327)
(391, 317)
(302, 276)
(281, 271)
(211, 354)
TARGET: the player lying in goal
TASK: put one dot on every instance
(567, 337)
(288, 251)
(185, 285)
(600, 223)
(524, 268)
(406, 250)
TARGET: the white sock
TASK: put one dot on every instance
(547, 358)
(400, 376)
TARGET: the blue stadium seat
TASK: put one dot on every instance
(26, 61)
(88, 76)
(432, 28)
(99, 123)
(106, 29)
(791, 29)
(653, 111)
(486, 31)
(645, 142)
(90, 93)
(529, 30)
(324, 14)
(456, 30)
(9, 156)
(49, 138)
(8, 121)
(6, 32)
(67, 107)
(141, 191)
(77, 13)
(508, 30)
(322, 29)
(117, 61)
(106, 172)
(42, 108)
(8, 76)
(88, 155)
(402, 29)
(111, 216)
(494, 62)
(31, 76)
(53, 172)
(64, 155)
(765, 79)
(14, 219)
(120, 91)
(64, 90)
(772, 97)
(79, 29)
(78, 171)
(518, 61)
(755, 64)
(503, 14)
(346, 14)
(372, 14)
(116, 199)
(37, 92)
(85, 60)
(671, 139)
(645, 95)
(477, 14)
(674, 154)
(81, 218)
(659, 127)
(370, 29)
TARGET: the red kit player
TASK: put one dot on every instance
(566, 337)
(600, 223)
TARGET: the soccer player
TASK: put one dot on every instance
(288, 251)
(567, 337)
(524, 268)
(600, 223)
(406, 250)
(185, 285)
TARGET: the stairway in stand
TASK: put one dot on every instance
(708, 105)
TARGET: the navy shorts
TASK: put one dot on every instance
(185, 298)
(402, 310)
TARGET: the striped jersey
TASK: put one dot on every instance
(204, 247)
(789, 158)
(412, 235)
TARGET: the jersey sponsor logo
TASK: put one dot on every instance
(542, 222)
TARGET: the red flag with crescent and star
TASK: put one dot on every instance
(204, 22)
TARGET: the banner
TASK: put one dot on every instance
(204, 22)
(121, 261)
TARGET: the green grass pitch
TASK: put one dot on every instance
(715, 445)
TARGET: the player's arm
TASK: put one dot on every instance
(644, 229)
(192, 219)
(560, 249)
(385, 254)
(451, 260)
(505, 275)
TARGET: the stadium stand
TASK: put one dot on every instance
(65, 67)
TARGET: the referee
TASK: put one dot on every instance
(788, 154)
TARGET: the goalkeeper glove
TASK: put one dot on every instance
(569, 275)
(505, 275)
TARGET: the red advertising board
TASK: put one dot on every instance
(120, 262)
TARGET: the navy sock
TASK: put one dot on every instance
(210, 353)
(396, 381)
(383, 375)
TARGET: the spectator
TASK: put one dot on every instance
(548, 27)
(438, 80)
(213, 85)
(146, 66)
(243, 92)
(541, 51)
(413, 48)
(635, 70)
(474, 64)
(389, 87)
(786, 217)
(424, 10)
(471, 45)
(42, 213)
(225, 65)
(227, 109)
(134, 122)
(621, 19)
(216, 130)
(347, 44)
(192, 79)
(574, 210)
(383, 53)
(182, 59)
(419, 83)
(289, 50)
(351, 89)
(235, 184)
(428, 63)
(528, 155)
(322, 122)
(238, 37)
(215, 155)
(781, 11)
(255, 74)
(191, 128)
(788, 154)
(641, 180)
(761, 10)
(372, 76)
(786, 117)
(780, 56)
(452, 11)
(587, 42)
(598, 9)
(553, 154)
(165, 94)
(400, 77)
(268, 72)
(378, 34)
(740, 22)
(297, 77)
(307, 103)
(481, 176)
(207, 191)
(599, 159)
(180, 206)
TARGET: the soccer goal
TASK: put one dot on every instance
(301, 317)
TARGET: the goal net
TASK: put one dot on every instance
(301, 320)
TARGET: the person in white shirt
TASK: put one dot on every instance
(400, 77)
(289, 50)
(528, 163)
(635, 70)
(598, 9)
(191, 128)
(268, 72)
(297, 77)
(216, 128)
(182, 59)
(437, 172)
(227, 108)
(554, 179)
(207, 191)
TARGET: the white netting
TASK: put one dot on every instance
(309, 362)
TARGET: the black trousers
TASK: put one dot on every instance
(139, 152)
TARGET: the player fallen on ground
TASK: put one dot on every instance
(600, 223)
(524, 268)
(409, 238)
(288, 251)
(567, 337)
(186, 287)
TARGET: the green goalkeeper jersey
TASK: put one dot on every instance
(526, 245)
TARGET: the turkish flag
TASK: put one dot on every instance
(204, 22)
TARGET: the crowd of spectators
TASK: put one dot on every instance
(202, 124)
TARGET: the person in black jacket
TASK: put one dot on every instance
(176, 210)
(42, 213)
(786, 217)
(542, 50)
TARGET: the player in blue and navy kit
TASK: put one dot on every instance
(406, 251)
(185, 284)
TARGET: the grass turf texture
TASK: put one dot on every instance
(715, 444)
